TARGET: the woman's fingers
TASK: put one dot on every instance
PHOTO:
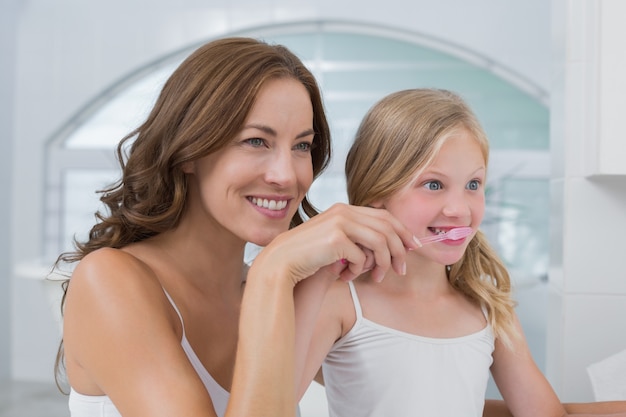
(366, 239)
(381, 238)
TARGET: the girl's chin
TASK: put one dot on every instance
(449, 260)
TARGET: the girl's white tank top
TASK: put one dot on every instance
(377, 371)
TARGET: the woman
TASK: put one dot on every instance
(155, 317)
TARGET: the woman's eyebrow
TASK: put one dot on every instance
(263, 128)
(272, 132)
(306, 133)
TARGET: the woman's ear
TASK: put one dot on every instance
(379, 204)
(188, 167)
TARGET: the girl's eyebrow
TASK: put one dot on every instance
(429, 171)
(272, 132)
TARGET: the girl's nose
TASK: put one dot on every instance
(457, 205)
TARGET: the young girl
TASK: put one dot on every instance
(422, 344)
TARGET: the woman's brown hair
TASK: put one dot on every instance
(201, 108)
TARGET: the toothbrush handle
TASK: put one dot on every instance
(431, 239)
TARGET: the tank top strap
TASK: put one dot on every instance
(180, 316)
(219, 395)
(483, 307)
(355, 301)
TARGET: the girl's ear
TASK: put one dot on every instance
(379, 204)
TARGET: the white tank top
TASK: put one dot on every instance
(101, 405)
(378, 371)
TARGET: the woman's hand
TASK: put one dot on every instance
(343, 241)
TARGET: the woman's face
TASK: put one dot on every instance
(447, 194)
(254, 185)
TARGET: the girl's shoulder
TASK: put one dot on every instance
(339, 292)
(339, 304)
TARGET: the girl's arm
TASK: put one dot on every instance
(527, 392)
(524, 388)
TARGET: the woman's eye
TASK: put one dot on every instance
(303, 146)
(473, 185)
(433, 185)
(257, 142)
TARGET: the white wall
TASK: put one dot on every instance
(8, 13)
(68, 51)
(588, 294)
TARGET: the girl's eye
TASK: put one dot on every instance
(303, 146)
(473, 185)
(433, 185)
(256, 142)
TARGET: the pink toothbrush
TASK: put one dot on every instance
(457, 233)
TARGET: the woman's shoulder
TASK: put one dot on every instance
(108, 254)
(113, 270)
(111, 260)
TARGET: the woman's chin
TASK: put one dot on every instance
(263, 239)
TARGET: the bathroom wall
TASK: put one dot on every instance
(587, 301)
(8, 18)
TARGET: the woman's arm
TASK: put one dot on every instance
(122, 338)
(335, 315)
(498, 408)
(599, 408)
(265, 371)
(308, 298)
(264, 368)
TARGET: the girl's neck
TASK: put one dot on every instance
(422, 276)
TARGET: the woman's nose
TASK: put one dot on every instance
(280, 169)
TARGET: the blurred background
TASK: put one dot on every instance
(544, 78)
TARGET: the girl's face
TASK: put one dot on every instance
(447, 194)
(254, 186)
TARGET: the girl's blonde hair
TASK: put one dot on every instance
(398, 138)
